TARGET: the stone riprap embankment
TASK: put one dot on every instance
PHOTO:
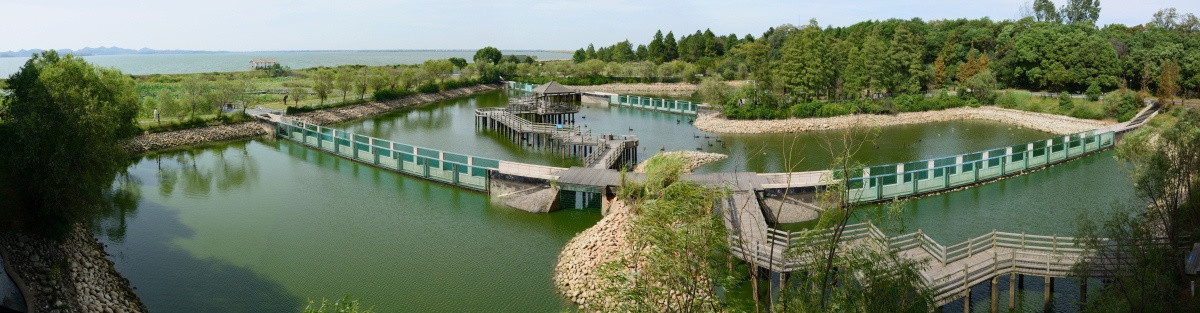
(371, 109)
(660, 89)
(577, 273)
(1057, 124)
(72, 276)
(693, 160)
(186, 137)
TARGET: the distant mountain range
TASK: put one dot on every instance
(101, 51)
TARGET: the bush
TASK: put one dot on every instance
(389, 94)
(1122, 105)
(1086, 112)
(1093, 92)
(1065, 103)
(428, 88)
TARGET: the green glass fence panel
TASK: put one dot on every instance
(488, 163)
(453, 157)
(429, 153)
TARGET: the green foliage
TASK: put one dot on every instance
(429, 87)
(1065, 102)
(488, 54)
(196, 122)
(678, 249)
(1140, 254)
(276, 70)
(458, 62)
(983, 87)
(1093, 92)
(390, 94)
(1122, 105)
(60, 142)
(343, 305)
(714, 91)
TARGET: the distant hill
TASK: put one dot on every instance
(101, 51)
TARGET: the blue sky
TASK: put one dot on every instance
(245, 25)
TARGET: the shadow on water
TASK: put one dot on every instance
(152, 263)
(141, 236)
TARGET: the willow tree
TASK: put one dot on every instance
(59, 142)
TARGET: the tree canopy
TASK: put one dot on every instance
(488, 54)
(60, 142)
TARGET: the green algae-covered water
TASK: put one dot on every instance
(266, 225)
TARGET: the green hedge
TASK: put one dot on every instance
(195, 122)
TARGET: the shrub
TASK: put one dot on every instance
(1086, 112)
(1122, 104)
(1065, 103)
(428, 88)
(389, 94)
(1093, 92)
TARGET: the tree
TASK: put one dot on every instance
(298, 94)
(670, 48)
(1065, 103)
(322, 83)
(906, 55)
(1081, 11)
(344, 81)
(1168, 82)
(579, 56)
(458, 63)
(983, 86)
(1093, 92)
(167, 104)
(488, 54)
(60, 142)
(362, 80)
(1045, 11)
(656, 51)
(805, 69)
(195, 94)
(380, 79)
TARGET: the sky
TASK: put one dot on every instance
(257, 25)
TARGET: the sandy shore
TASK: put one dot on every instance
(1058, 124)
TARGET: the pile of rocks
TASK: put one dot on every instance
(695, 159)
(576, 273)
(71, 276)
(370, 109)
(1057, 124)
(186, 137)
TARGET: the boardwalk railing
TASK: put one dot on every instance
(904, 179)
(648, 103)
(950, 270)
(658, 104)
(455, 169)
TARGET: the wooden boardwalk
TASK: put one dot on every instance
(596, 151)
(950, 271)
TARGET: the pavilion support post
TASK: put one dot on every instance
(995, 294)
(1048, 306)
(1012, 290)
